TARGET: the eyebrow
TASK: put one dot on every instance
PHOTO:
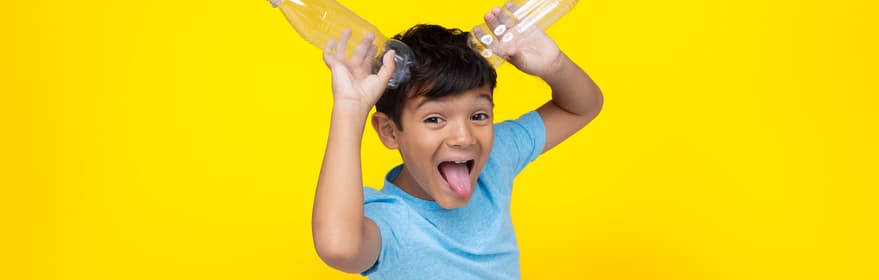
(482, 95)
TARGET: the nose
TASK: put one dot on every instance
(460, 136)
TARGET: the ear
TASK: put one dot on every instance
(386, 129)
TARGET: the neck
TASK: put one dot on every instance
(408, 184)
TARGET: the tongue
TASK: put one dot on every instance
(458, 177)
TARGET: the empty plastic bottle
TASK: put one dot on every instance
(318, 21)
(526, 14)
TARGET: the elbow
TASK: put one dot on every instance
(592, 108)
(338, 254)
(587, 105)
(597, 105)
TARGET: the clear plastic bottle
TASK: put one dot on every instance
(526, 14)
(318, 21)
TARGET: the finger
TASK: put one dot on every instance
(485, 39)
(493, 23)
(514, 9)
(483, 36)
(342, 43)
(505, 21)
(361, 49)
(329, 50)
(388, 66)
(369, 57)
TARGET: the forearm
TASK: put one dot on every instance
(576, 100)
(573, 90)
(337, 217)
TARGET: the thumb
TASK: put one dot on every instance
(388, 66)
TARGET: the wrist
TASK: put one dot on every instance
(560, 70)
(350, 109)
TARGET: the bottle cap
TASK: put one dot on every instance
(404, 58)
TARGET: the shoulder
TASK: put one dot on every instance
(371, 195)
(519, 141)
(530, 122)
(378, 204)
(384, 208)
(527, 129)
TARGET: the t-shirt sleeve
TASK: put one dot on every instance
(519, 142)
(388, 213)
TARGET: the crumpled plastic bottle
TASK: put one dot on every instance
(318, 21)
(526, 14)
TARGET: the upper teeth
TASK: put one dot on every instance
(463, 161)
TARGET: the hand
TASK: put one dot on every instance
(353, 82)
(524, 45)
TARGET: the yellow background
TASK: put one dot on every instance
(182, 140)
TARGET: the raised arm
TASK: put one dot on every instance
(343, 237)
(576, 100)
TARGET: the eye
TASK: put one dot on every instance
(480, 117)
(433, 120)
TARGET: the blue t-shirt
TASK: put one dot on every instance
(421, 240)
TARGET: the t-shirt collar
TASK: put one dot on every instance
(391, 188)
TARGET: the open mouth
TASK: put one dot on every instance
(457, 175)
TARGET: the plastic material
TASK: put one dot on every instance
(318, 21)
(527, 14)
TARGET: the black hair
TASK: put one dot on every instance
(444, 65)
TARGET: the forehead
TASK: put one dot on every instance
(475, 96)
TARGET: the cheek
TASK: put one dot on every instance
(487, 137)
(418, 152)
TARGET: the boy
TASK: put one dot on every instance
(445, 212)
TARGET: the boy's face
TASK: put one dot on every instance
(445, 143)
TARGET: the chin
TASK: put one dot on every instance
(453, 204)
(452, 201)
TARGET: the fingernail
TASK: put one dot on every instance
(507, 37)
(486, 39)
(500, 29)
